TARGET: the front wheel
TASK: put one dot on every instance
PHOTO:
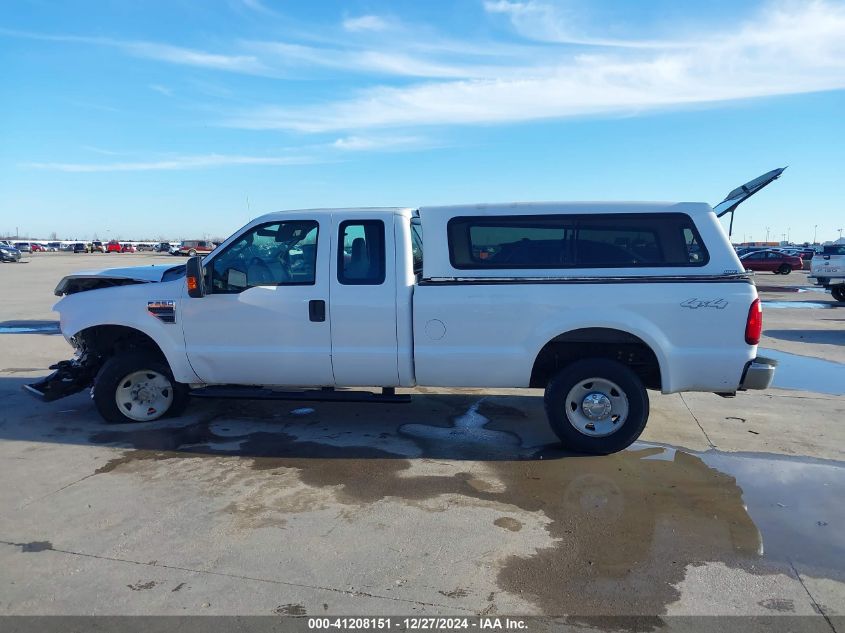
(137, 387)
(838, 292)
(192, 253)
(785, 269)
(596, 406)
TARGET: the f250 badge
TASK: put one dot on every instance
(695, 304)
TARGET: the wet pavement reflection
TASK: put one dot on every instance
(807, 373)
(625, 528)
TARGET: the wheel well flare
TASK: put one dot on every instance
(609, 343)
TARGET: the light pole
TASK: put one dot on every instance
(767, 233)
(788, 233)
(815, 231)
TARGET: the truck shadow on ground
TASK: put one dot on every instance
(434, 425)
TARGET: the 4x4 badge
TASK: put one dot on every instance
(694, 304)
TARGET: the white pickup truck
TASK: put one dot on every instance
(593, 302)
(827, 269)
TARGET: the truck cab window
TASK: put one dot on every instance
(361, 257)
(275, 254)
(417, 245)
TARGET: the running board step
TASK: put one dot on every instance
(388, 396)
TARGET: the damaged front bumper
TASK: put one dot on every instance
(69, 377)
(758, 373)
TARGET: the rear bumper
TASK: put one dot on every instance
(758, 373)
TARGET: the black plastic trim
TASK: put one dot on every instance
(492, 281)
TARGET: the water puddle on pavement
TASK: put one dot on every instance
(29, 327)
(797, 305)
(623, 531)
(806, 373)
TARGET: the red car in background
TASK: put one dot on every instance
(37, 248)
(113, 247)
(774, 261)
(128, 248)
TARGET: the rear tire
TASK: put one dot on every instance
(838, 292)
(192, 253)
(138, 387)
(785, 269)
(583, 399)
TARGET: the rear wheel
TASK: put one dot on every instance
(838, 292)
(192, 253)
(137, 387)
(785, 269)
(596, 406)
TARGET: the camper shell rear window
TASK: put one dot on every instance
(616, 240)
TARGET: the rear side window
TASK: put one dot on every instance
(570, 241)
(417, 245)
(361, 257)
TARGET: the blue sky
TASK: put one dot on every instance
(186, 118)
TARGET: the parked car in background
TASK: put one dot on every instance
(37, 248)
(54, 246)
(23, 247)
(128, 248)
(113, 247)
(772, 261)
(78, 247)
(195, 247)
(97, 247)
(828, 270)
(162, 247)
(9, 253)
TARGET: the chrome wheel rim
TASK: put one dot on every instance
(596, 407)
(144, 395)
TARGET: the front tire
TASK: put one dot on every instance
(838, 292)
(596, 406)
(785, 269)
(137, 387)
(192, 253)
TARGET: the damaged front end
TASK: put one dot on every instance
(70, 376)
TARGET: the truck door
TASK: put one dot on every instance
(264, 319)
(363, 301)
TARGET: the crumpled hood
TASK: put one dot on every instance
(110, 277)
(141, 273)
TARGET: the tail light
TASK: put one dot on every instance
(754, 324)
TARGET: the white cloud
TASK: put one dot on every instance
(248, 64)
(547, 22)
(192, 57)
(258, 7)
(365, 23)
(787, 49)
(283, 55)
(176, 163)
(167, 92)
(369, 143)
(100, 150)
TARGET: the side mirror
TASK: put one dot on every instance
(194, 277)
